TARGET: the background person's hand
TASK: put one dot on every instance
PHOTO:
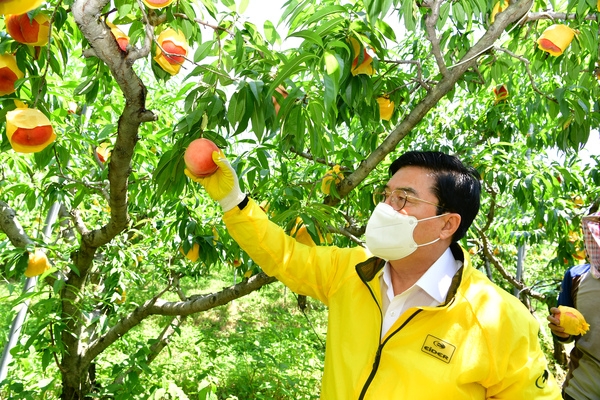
(222, 185)
(554, 326)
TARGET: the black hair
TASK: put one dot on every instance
(456, 186)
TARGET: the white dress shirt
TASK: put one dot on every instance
(429, 291)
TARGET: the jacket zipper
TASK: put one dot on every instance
(378, 355)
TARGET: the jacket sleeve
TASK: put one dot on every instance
(521, 367)
(564, 297)
(314, 271)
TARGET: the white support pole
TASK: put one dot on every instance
(15, 329)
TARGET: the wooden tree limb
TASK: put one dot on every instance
(536, 16)
(430, 23)
(526, 63)
(192, 305)
(9, 224)
(523, 289)
(513, 13)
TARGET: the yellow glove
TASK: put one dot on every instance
(222, 185)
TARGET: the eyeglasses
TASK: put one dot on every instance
(398, 198)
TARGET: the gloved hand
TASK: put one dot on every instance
(223, 185)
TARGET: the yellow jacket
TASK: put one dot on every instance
(481, 344)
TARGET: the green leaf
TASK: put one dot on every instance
(408, 14)
(321, 14)
(271, 33)
(237, 107)
(385, 29)
(203, 50)
(308, 35)
(291, 67)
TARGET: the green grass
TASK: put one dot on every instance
(256, 347)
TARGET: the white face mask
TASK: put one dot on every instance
(389, 233)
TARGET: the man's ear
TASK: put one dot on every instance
(451, 225)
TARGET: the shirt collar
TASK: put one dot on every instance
(435, 281)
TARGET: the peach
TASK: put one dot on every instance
(28, 130)
(386, 108)
(555, 39)
(365, 67)
(198, 158)
(175, 43)
(281, 90)
(157, 3)
(9, 74)
(18, 6)
(33, 136)
(172, 48)
(33, 32)
(121, 38)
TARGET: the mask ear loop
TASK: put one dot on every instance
(428, 218)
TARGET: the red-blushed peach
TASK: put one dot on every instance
(28, 130)
(281, 90)
(156, 4)
(555, 39)
(172, 50)
(33, 32)
(121, 38)
(198, 158)
(9, 74)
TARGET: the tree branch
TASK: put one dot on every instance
(515, 11)
(430, 23)
(536, 16)
(523, 289)
(11, 227)
(526, 63)
(193, 305)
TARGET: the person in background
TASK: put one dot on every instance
(580, 289)
(409, 317)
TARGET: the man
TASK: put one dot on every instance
(416, 321)
(580, 289)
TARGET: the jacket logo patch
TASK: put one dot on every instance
(438, 348)
(542, 380)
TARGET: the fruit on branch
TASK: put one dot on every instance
(555, 39)
(121, 38)
(281, 90)
(155, 4)
(573, 321)
(102, 152)
(498, 8)
(23, 29)
(365, 67)
(300, 232)
(386, 108)
(9, 74)
(333, 175)
(175, 49)
(28, 130)
(38, 264)
(29, 29)
(500, 93)
(18, 6)
(192, 253)
(579, 255)
(198, 158)
(122, 293)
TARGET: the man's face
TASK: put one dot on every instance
(418, 182)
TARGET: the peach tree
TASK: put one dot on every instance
(310, 109)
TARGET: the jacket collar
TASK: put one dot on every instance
(368, 270)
